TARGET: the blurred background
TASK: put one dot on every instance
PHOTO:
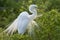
(49, 23)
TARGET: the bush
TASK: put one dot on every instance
(49, 23)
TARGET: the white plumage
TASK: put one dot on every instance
(23, 22)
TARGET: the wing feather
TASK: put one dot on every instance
(18, 24)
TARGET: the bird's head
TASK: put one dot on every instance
(33, 8)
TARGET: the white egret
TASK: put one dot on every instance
(24, 21)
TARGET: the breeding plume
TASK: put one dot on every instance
(23, 22)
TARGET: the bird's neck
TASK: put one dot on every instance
(34, 13)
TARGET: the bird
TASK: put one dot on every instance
(23, 22)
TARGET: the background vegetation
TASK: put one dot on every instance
(49, 23)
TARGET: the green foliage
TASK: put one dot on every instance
(49, 23)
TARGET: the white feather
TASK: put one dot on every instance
(23, 22)
(12, 27)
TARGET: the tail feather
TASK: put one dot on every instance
(11, 28)
(31, 27)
